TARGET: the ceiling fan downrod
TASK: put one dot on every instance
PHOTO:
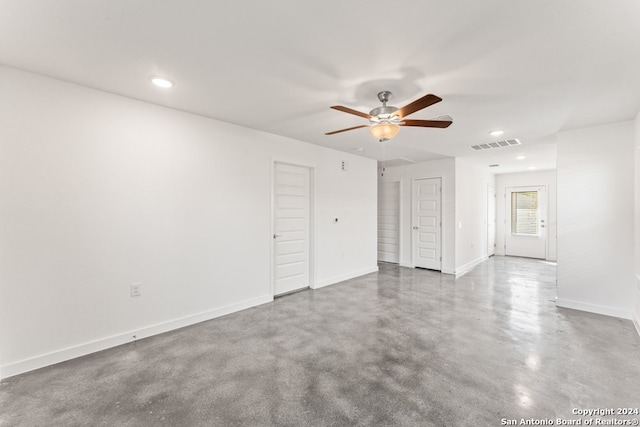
(384, 111)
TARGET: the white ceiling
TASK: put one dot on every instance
(531, 68)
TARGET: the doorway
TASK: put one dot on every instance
(426, 223)
(291, 228)
(491, 220)
(389, 222)
(526, 222)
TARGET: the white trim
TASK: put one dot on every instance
(507, 215)
(464, 269)
(593, 308)
(400, 219)
(447, 271)
(343, 277)
(408, 265)
(442, 221)
(400, 223)
(495, 218)
(69, 353)
(636, 312)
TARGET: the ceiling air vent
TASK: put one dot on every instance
(497, 144)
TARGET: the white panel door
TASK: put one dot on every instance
(491, 219)
(526, 222)
(389, 221)
(427, 226)
(291, 228)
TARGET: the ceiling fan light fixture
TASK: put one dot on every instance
(384, 121)
(384, 131)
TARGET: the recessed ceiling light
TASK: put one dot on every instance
(532, 168)
(496, 132)
(160, 82)
(521, 157)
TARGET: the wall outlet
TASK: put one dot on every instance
(136, 289)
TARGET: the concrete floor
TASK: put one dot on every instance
(402, 347)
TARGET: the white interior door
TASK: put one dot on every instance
(491, 219)
(389, 221)
(427, 225)
(291, 228)
(526, 222)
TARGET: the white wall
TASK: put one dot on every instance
(444, 169)
(471, 214)
(527, 179)
(98, 191)
(595, 219)
(636, 317)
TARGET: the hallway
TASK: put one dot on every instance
(402, 347)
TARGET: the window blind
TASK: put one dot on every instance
(524, 212)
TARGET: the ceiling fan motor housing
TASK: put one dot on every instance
(383, 111)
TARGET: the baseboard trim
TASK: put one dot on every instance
(80, 350)
(402, 264)
(462, 270)
(636, 323)
(341, 278)
(593, 308)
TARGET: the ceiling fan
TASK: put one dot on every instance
(385, 121)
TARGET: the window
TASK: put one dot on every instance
(524, 212)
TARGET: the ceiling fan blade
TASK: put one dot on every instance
(350, 111)
(418, 104)
(428, 123)
(344, 130)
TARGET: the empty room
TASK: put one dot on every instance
(319, 213)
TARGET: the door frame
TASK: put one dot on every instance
(492, 188)
(412, 221)
(312, 221)
(544, 214)
(400, 215)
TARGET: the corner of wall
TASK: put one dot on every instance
(636, 216)
(636, 313)
(341, 278)
(464, 269)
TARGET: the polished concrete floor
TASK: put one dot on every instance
(402, 347)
